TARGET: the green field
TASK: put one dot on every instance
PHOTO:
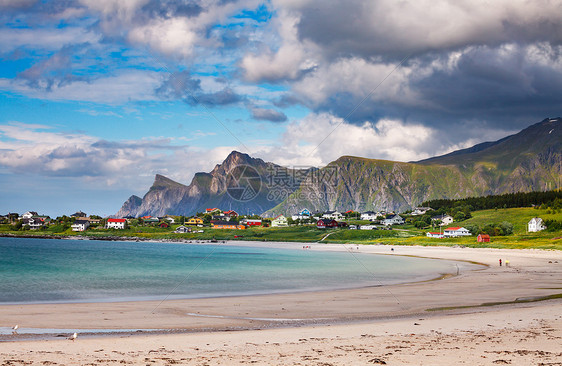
(400, 235)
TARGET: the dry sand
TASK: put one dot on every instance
(376, 325)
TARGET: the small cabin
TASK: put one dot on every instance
(483, 238)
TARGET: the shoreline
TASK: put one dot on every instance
(472, 288)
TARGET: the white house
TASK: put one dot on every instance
(445, 219)
(182, 229)
(29, 214)
(369, 215)
(420, 210)
(434, 235)
(170, 219)
(393, 220)
(453, 232)
(535, 225)
(33, 223)
(115, 224)
(304, 214)
(80, 225)
(334, 215)
(279, 221)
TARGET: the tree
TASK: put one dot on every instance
(459, 216)
(506, 228)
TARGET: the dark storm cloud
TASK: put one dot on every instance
(507, 87)
(498, 63)
(386, 29)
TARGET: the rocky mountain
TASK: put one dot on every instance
(241, 183)
(529, 160)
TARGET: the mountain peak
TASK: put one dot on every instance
(234, 159)
(161, 181)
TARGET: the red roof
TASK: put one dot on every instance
(453, 228)
(349, 211)
(116, 220)
(211, 209)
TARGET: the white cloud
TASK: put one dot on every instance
(170, 33)
(321, 138)
(289, 61)
(169, 36)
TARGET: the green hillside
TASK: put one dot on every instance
(519, 217)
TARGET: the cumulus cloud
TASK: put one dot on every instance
(290, 60)
(171, 28)
(384, 28)
(319, 139)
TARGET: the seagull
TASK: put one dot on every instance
(73, 337)
(15, 329)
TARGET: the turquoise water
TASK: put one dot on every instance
(47, 270)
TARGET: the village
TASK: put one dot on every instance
(433, 224)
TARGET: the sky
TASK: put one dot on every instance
(98, 96)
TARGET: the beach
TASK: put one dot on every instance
(487, 316)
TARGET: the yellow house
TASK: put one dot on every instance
(226, 225)
(194, 221)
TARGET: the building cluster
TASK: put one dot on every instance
(216, 218)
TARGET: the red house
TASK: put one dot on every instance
(483, 238)
(230, 213)
(326, 223)
(251, 222)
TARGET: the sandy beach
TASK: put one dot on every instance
(425, 323)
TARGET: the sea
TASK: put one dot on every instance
(66, 271)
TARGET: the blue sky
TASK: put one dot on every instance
(98, 96)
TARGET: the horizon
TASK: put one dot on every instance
(100, 96)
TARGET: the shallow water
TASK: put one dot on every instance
(48, 270)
